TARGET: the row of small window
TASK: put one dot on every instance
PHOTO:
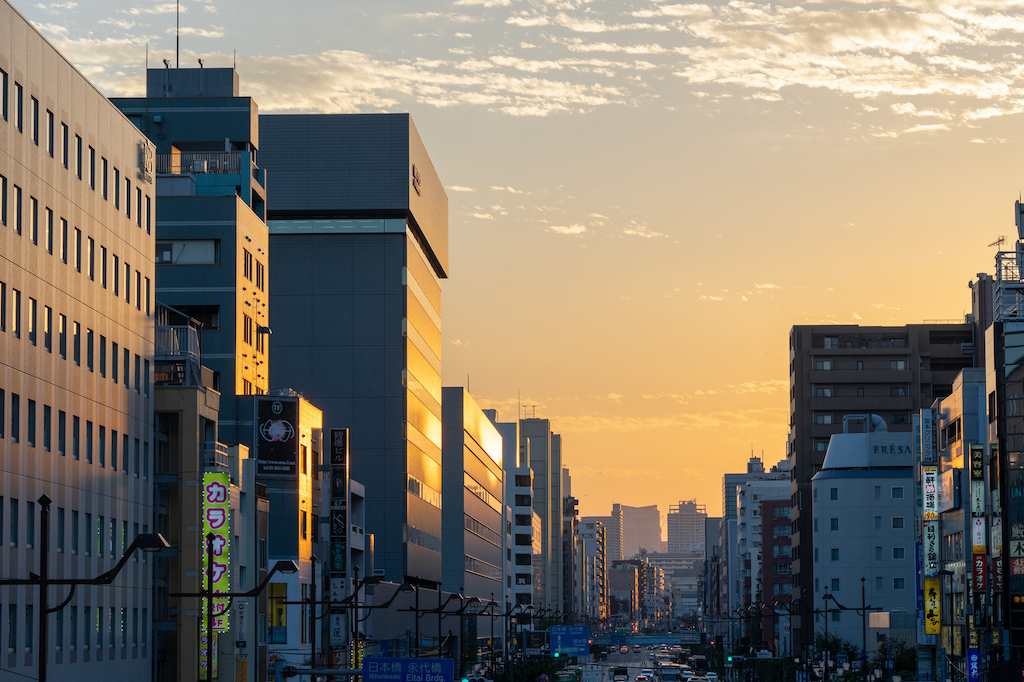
(104, 537)
(827, 365)
(898, 554)
(897, 584)
(51, 143)
(895, 493)
(140, 453)
(248, 262)
(33, 328)
(84, 251)
(826, 418)
(97, 624)
(897, 523)
(249, 334)
(894, 392)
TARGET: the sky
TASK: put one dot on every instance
(644, 196)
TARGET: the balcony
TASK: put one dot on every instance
(177, 356)
(215, 456)
(200, 163)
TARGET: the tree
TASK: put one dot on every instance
(902, 655)
(836, 646)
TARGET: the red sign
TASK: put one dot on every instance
(979, 573)
(997, 573)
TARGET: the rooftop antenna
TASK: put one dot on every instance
(998, 243)
(177, 34)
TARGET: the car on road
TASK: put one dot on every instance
(636, 648)
(647, 671)
(623, 649)
(712, 676)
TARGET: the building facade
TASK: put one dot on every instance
(77, 338)
(837, 370)
(359, 228)
(685, 523)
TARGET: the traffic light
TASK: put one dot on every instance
(557, 654)
(729, 658)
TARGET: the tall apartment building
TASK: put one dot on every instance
(76, 337)
(685, 522)
(359, 244)
(211, 239)
(749, 535)
(613, 533)
(776, 573)
(837, 370)
(592, 535)
(474, 499)
(545, 457)
(729, 578)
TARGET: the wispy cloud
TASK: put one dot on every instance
(574, 229)
(460, 188)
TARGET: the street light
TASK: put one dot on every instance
(863, 611)
(148, 542)
(287, 567)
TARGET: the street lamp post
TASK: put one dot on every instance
(149, 542)
(207, 594)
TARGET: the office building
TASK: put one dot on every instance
(473, 502)
(836, 370)
(211, 239)
(749, 535)
(77, 336)
(863, 534)
(359, 245)
(641, 529)
(776, 575)
(685, 522)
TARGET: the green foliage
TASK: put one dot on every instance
(836, 646)
(902, 655)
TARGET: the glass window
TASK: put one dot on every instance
(897, 493)
(833, 494)
(897, 522)
(835, 554)
(898, 553)
(899, 583)
(833, 524)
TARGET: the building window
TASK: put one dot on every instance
(897, 493)
(823, 365)
(820, 445)
(50, 141)
(836, 615)
(878, 523)
(76, 342)
(17, 314)
(833, 524)
(878, 492)
(898, 392)
(78, 156)
(898, 553)
(49, 231)
(33, 306)
(247, 262)
(62, 336)
(878, 553)
(835, 554)
(35, 121)
(92, 169)
(899, 583)
(822, 391)
(898, 364)
(860, 392)
(897, 522)
(117, 188)
(899, 419)
(65, 137)
(833, 494)
(835, 584)
(33, 227)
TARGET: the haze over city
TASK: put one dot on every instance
(645, 196)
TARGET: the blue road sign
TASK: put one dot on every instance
(408, 670)
(570, 640)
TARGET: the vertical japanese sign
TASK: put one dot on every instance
(930, 543)
(339, 532)
(930, 492)
(216, 512)
(932, 606)
(928, 436)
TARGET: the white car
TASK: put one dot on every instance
(712, 676)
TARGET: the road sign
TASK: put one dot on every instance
(408, 670)
(571, 640)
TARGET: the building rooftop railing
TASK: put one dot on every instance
(215, 455)
(182, 163)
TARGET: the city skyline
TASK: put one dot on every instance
(645, 197)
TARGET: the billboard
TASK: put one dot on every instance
(277, 436)
(216, 555)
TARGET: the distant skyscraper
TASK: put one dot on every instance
(641, 529)
(686, 522)
(545, 454)
(359, 245)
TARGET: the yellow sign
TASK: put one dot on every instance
(932, 606)
(216, 559)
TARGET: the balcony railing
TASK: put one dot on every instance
(177, 356)
(215, 455)
(199, 163)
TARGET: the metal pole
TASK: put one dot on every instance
(863, 631)
(354, 617)
(492, 634)
(209, 605)
(825, 599)
(312, 615)
(417, 616)
(44, 582)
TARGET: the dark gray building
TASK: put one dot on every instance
(474, 481)
(359, 235)
(837, 370)
(211, 241)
